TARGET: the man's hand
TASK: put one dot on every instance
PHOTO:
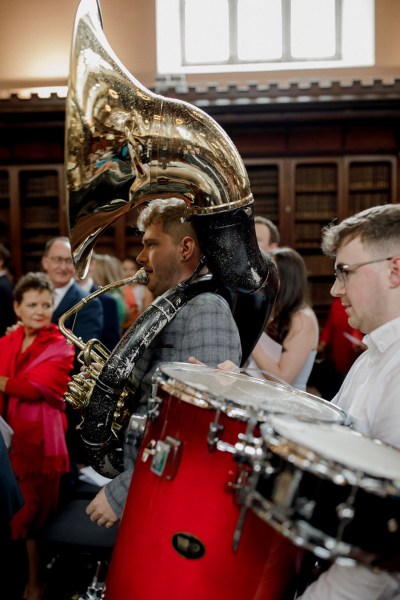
(100, 511)
(227, 365)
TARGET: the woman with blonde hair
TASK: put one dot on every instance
(108, 269)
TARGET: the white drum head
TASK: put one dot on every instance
(239, 395)
(341, 445)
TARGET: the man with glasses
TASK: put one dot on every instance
(366, 248)
(57, 263)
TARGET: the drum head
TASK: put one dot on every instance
(340, 445)
(241, 396)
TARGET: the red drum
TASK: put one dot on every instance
(184, 534)
(330, 490)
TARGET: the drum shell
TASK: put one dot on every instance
(197, 501)
(331, 490)
(368, 528)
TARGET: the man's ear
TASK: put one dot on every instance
(395, 272)
(44, 262)
(188, 248)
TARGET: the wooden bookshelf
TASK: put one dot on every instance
(309, 193)
(266, 186)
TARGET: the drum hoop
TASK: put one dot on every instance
(311, 461)
(188, 392)
(181, 391)
(304, 535)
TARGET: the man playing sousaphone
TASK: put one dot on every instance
(126, 146)
(204, 327)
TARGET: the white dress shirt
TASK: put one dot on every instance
(60, 292)
(370, 395)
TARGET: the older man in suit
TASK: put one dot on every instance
(58, 264)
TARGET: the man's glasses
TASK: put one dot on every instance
(59, 260)
(341, 272)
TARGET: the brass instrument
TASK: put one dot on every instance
(124, 146)
(93, 356)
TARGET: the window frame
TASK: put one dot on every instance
(286, 57)
(357, 32)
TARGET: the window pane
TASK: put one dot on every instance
(206, 30)
(313, 28)
(259, 29)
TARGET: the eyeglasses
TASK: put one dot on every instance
(342, 272)
(59, 260)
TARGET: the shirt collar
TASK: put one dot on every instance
(384, 336)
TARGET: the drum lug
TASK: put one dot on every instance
(166, 456)
(153, 407)
(214, 433)
(305, 507)
(249, 448)
(149, 450)
(345, 512)
(225, 447)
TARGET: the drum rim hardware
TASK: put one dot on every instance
(167, 376)
(314, 462)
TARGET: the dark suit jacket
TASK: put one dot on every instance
(7, 316)
(111, 330)
(89, 320)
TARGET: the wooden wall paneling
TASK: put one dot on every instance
(15, 223)
(287, 207)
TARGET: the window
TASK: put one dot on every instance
(238, 35)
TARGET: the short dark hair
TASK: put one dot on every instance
(377, 226)
(32, 281)
(274, 236)
(170, 213)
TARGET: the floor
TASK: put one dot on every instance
(71, 548)
(69, 573)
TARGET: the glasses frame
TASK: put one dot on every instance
(342, 271)
(59, 260)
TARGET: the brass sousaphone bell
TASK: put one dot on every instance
(126, 145)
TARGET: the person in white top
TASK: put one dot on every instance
(366, 248)
(288, 346)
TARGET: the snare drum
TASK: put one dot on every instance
(330, 490)
(183, 532)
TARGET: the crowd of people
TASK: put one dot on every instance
(360, 338)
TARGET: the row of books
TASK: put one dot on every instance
(370, 176)
(39, 186)
(40, 215)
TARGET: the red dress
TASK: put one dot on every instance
(35, 410)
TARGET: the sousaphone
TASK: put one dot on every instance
(126, 145)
